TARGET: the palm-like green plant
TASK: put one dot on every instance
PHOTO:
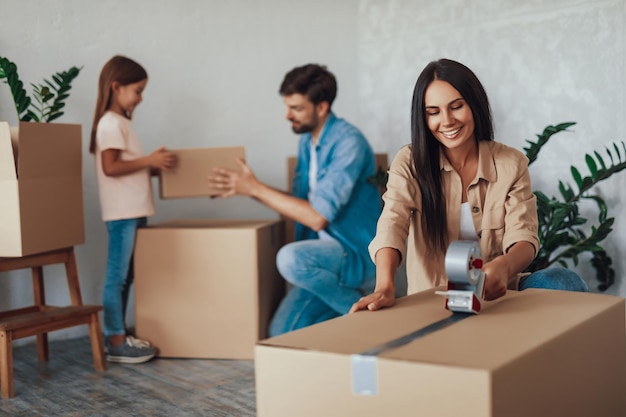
(49, 96)
(561, 234)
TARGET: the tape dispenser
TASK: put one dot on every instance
(466, 280)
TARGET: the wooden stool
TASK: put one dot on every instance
(39, 319)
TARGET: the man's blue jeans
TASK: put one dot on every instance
(119, 273)
(312, 267)
(554, 279)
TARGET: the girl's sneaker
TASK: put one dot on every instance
(130, 352)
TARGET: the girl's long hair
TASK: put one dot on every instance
(426, 148)
(117, 69)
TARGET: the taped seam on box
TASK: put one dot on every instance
(365, 364)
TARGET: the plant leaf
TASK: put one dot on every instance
(21, 100)
(532, 151)
(577, 177)
(599, 158)
(591, 164)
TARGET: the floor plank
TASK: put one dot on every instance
(68, 385)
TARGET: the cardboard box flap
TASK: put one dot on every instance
(551, 313)
(7, 162)
(38, 141)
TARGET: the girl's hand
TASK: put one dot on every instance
(162, 159)
(374, 301)
(496, 278)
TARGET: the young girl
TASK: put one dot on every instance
(455, 182)
(123, 175)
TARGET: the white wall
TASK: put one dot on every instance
(215, 67)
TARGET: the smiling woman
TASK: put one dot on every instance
(455, 182)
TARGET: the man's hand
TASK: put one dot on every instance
(228, 183)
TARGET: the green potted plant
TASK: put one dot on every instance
(561, 233)
(49, 96)
(40, 169)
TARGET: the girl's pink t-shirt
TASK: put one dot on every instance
(125, 196)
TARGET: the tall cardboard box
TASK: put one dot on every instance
(41, 192)
(536, 353)
(189, 178)
(207, 288)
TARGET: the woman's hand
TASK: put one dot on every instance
(500, 269)
(374, 301)
(384, 295)
(496, 278)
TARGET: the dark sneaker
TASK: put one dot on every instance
(130, 352)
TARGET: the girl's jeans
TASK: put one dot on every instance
(119, 272)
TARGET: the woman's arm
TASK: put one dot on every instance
(384, 295)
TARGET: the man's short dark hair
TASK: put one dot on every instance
(313, 81)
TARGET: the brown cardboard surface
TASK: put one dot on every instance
(534, 353)
(189, 178)
(41, 199)
(207, 288)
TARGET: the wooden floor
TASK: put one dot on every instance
(68, 385)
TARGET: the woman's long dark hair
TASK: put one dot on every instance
(426, 148)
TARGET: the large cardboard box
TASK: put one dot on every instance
(533, 353)
(189, 178)
(41, 194)
(207, 288)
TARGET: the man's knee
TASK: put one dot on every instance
(299, 262)
(556, 279)
(286, 261)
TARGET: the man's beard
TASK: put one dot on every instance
(305, 127)
(302, 128)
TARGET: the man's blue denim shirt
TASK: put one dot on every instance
(343, 195)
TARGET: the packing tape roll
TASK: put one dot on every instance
(464, 262)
